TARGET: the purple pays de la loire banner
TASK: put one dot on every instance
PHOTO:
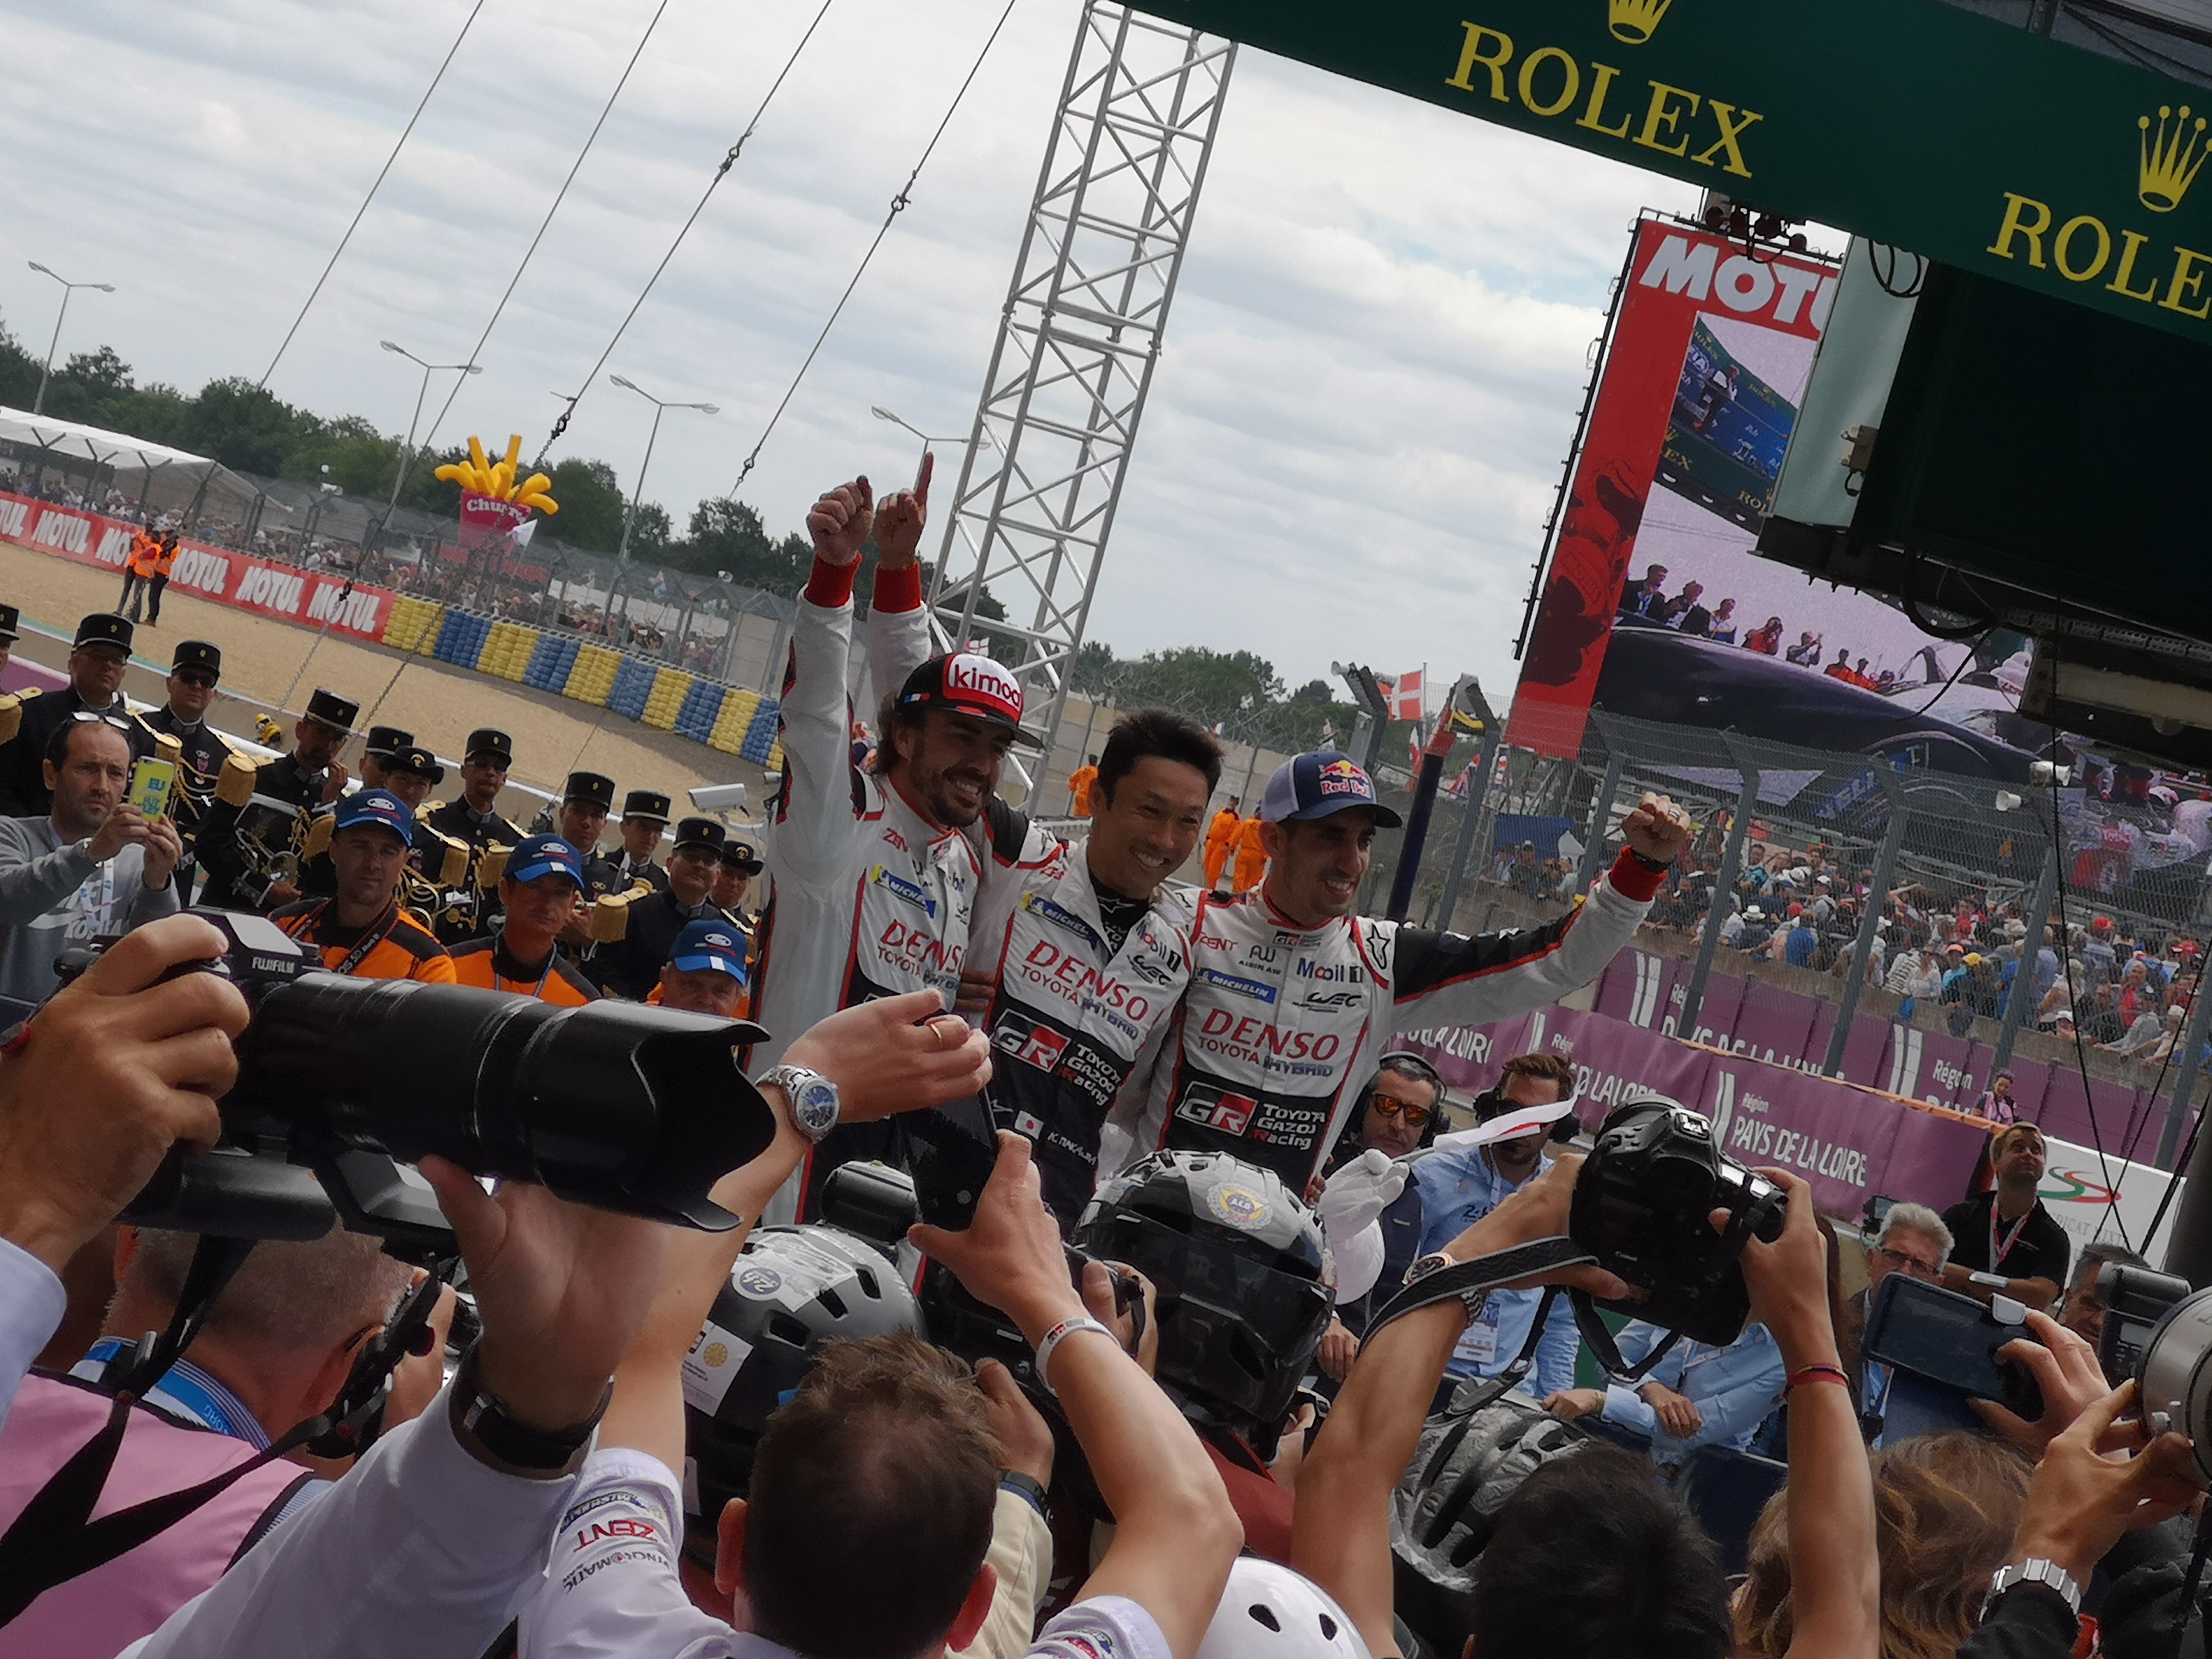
(1467, 1057)
(1773, 1025)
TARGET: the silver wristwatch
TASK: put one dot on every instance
(2034, 1571)
(813, 1098)
(1435, 1262)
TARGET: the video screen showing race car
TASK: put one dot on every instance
(1726, 433)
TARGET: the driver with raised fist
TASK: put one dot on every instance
(1292, 997)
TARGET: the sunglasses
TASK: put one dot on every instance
(204, 681)
(88, 716)
(1388, 1106)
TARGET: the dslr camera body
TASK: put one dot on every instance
(613, 1104)
(1643, 1205)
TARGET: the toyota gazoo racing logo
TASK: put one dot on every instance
(972, 678)
(1343, 777)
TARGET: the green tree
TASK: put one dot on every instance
(247, 428)
(591, 505)
(727, 535)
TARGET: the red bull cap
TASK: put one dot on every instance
(1315, 786)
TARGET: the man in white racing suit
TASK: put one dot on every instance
(1080, 951)
(874, 883)
(1292, 997)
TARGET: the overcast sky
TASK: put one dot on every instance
(1372, 374)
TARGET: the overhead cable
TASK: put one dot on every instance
(898, 206)
(373, 189)
(729, 161)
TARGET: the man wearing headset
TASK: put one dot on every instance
(1397, 1117)
(1460, 1185)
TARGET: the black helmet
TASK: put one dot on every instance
(1445, 1510)
(1243, 1278)
(793, 1290)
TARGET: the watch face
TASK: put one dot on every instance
(1435, 1261)
(815, 1105)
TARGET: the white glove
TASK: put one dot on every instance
(1351, 1208)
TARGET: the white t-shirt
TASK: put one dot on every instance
(613, 1592)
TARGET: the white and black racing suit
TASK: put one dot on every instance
(869, 899)
(1282, 1025)
(1077, 1010)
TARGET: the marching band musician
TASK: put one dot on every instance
(377, 750)
(193, 673)
(631, 966)
(644, 819)
(361, 929)
(474, 822)
(580, 815)
(242, 877)
(98, 656)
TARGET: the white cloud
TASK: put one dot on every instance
(1356, 427)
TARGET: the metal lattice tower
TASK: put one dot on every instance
(1079, 338)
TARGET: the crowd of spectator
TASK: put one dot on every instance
(1688, 612)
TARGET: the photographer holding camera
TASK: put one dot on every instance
(428, 1546)
(1590, 1559)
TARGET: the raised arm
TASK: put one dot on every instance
(1174, 1533)
(898, 625)
(818, 807)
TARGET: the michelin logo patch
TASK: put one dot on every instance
(1257, 990)
(899, 887)
(1047, 910)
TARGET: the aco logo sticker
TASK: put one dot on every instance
(760, 1281)
(716, 1355)
(1238, 1207)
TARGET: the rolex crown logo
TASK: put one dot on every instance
(1635, 21)
(2170, 156)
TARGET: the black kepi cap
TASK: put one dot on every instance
(593, 788)
(103, 628)
(488, 740)
(11, 622)
(701, 832)
(196, 653)
(412, 763)
(645, 804)
(386, 740)
(328, 708)
(741, 854)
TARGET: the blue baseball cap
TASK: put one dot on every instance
(714, 944)
(377, 806)
(545, 856)
(1317, 785)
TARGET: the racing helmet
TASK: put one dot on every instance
(1243, 1276)
(1445, 1510)
(1268, 1612)
(792, 1290)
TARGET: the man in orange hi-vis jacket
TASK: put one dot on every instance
(1221, 841)
(1251, 855)
(138, 572)
(1080, 783)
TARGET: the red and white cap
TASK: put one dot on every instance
(968, 682)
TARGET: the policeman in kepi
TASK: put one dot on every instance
(474, 822)
(193, 673)
(645, 817)
(377, 750)
(580, 815)
(631, 966)
(252, 860)
(97, 659)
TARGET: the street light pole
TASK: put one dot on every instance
(39, 403)
(407, 450)
(882, 414)
(659, 407)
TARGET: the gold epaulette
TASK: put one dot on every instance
(11, 712)
(492, 865)
(169, 747)
(318, 835)
(235, 787)
(453, 866)
(611, 913)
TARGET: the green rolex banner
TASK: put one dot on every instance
(1907, 121)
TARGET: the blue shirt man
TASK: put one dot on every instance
(1802, 943)
(1728, 1392)
(1461, 1185)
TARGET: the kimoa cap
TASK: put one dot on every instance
(545, 856)
(710, 945)
(968, 682)
(377, 806)
(1320, 784)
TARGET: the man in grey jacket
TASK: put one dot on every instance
(91, 866)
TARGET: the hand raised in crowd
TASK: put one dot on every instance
(124, 826)
(1789, 1279)
(334, 786)
(561, 1289)
(900, 520)
(841, 522)
(1025, 1437)
(2065, 1367)
(1009, 1256)
(165, 850)
(109, 1073)
(1657, 827)
(2083, 1497)
(895, 1054)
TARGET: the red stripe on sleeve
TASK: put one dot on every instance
(1630, 879)
(830, 585)
(898, 590)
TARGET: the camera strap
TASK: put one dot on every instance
(1502, 1268)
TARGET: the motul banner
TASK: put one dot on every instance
(261, 586)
